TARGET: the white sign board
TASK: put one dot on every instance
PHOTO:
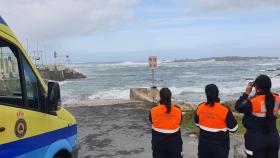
(152, 62)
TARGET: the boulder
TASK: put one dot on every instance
(230, 104)
(60, 73)
(72, 74)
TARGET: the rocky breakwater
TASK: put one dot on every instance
(9, 86)
(59, 73)
(72, 74)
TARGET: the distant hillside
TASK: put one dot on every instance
(228, 58)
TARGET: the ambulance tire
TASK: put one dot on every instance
(62, 154)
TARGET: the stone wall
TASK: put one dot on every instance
(9, 86)
(52, 75)
(60, 74)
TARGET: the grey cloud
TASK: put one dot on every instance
(231, 4)
(47, 19)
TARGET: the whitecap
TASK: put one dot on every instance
(225, 89)
(269, 64)
(181, 90)
(111, 94)
(61, 83)
(276, 82)
(123, 64)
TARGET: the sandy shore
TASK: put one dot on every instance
(123, 131)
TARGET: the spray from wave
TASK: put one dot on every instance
(111, 94)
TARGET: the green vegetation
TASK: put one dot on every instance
(241, 128)
(188, 123)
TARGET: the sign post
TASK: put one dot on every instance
(153, 66)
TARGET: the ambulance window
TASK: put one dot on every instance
(31, 83)
(10, 87)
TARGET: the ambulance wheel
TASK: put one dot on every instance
(62, 154)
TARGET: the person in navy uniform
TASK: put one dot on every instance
(215, 122)
(166, 121)
(261, 138)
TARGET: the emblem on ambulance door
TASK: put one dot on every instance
(21, 126)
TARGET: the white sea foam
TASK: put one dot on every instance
(276, 82)
(111, 94)
(188, 74)
(129, 63)
(181, 90)
(167, 61)
(176, 91)
(269, 64)
(123, 64)
(63, 83)
(191, 63)
(226, 90)
(231, 90)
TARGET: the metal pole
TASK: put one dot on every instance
(153, 86)
(153, 77)
(34, 57)
(37, 47)
(42, 62)
(2, 62)
(45, 53)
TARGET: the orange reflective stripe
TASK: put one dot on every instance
(212, 118)
(166, 122)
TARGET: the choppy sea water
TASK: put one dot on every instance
(185, 79)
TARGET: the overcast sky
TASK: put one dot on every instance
(131, 30)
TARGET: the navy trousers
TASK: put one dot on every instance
(262, 145)
(167, 148)
(208, 150)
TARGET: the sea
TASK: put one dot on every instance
(186, 80)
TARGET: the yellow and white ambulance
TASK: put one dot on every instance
(32, 123)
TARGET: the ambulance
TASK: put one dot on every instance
(32, 122)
